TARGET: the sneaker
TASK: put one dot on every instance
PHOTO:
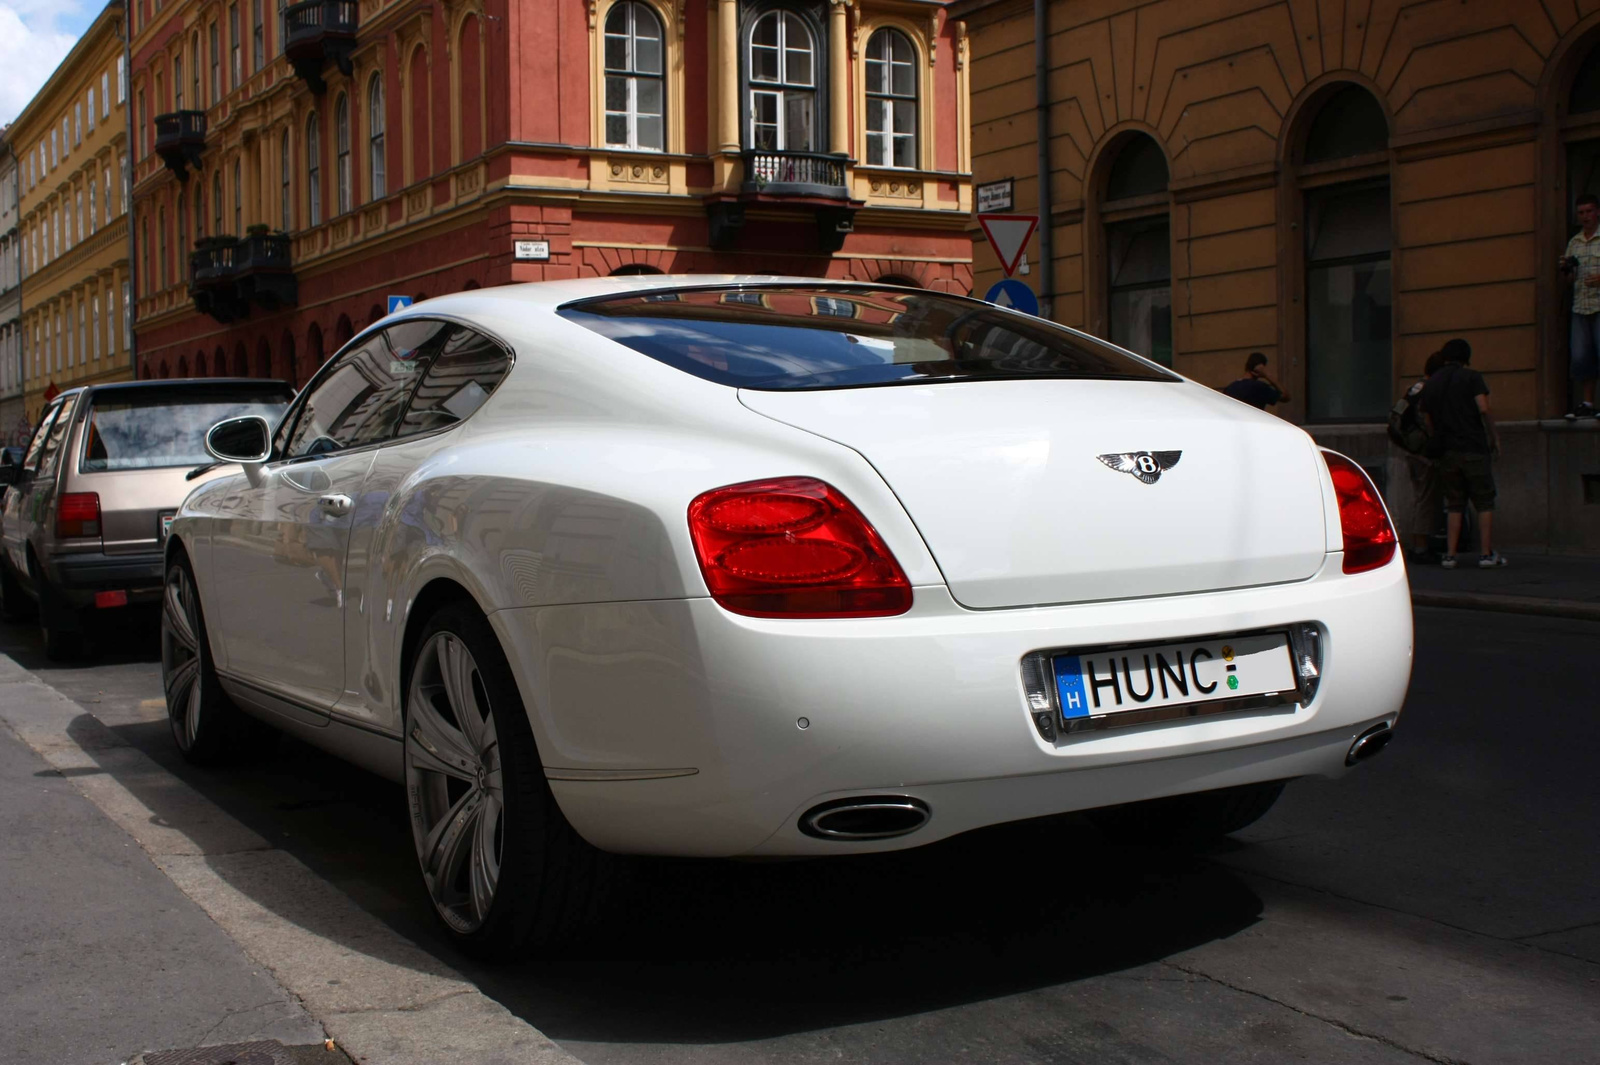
(1447, 562)
(1491, 561)
(1582, 410)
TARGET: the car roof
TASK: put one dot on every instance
(263, 384)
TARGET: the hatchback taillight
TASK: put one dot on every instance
(794, 547)
(1369, 540)
(78, 514)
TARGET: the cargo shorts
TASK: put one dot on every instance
(1464, 476)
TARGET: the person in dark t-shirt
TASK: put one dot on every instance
(1255, 387)
(1463, 439)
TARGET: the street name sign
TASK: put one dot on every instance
(1013, 294)
(995, 196)
(1009, 234)
(530, 250)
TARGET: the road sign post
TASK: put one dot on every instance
(1013, 294)
(398, 303)
(1009, 234)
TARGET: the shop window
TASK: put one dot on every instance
(782, 84)
(635, 95)
(1138, 243)
(891, 100)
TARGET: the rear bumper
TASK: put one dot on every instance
(77, 577)
(928, 705)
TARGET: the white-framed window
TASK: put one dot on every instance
(95, 322)
(341, 130)
(105, 192)
(891, 100)
(375, 142)
(127, 316)
(635, 91)
(105, 94)
(83, 338)
(55, 344)
(93, 221)
(78, 212)
(122, 81)
(90, 109)
(55, 150)
(77, 123)
(783, 84)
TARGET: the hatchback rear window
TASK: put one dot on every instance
(139, 430)
(802, 337)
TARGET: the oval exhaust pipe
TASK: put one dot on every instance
(1369, 743)
(865, 817)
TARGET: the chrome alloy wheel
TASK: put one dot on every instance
(454, 782)
(180, 656)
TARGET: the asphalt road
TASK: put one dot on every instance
(1440, 904)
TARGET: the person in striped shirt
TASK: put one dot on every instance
(1581, 265)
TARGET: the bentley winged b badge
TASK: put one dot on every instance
(1148, 466)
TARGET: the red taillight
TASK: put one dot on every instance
(78, 514)
(794, 547)
(1368, 537)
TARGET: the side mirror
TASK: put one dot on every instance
(247, 439)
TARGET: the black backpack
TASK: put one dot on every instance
(1406, 426)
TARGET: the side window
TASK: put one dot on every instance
(359, 400)
(464, 374)
(54, 439)
(30, 461)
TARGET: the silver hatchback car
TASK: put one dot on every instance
(86, 511)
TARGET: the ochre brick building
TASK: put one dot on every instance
(297, 166)
(1341, 184)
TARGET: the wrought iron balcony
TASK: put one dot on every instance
(795, 174)
(316, 31)
(180, 140)
(229, 275)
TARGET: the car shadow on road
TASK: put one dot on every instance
(724, 951)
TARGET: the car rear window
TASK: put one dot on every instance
(144, 430)
(803, 337)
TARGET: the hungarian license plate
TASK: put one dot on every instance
(1097, 683)
(166, 523)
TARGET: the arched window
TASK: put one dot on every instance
(199, 365)
(635, 96)
(283, 367)
(341, 128)
(375, 138)
(626, 270)
(161, 245)
(183, 366)
(313, 358)
(216, 203)
(891, 100)
(342, 332)
(783, 84)
(177, 83)
(199, 210)
(284, 207)
(165, 372)
(219, 364)
(263, 358)
(313, 172)
(1348, 283)
(238, 199)
(194, 70)
(469, 91)
(1138, 243)
(241, 364)
(183, 240)
(417, 85)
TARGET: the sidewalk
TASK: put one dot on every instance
(1554, 585)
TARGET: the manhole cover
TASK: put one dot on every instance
(266, 1052)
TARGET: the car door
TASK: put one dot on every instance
(17, 523)
(278, 547)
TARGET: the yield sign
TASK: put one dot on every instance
(1009, 234)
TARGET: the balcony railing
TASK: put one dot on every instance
(315, 31)
(795, 174)
(181, 140)
(227, 275)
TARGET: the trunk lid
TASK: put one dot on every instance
(1005, 482)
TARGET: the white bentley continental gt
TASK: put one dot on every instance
(715, 566)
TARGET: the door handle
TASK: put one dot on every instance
(339, 504)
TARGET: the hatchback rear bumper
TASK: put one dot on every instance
(675, 727)
(77, 577)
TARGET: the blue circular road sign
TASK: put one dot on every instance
(1014, 294)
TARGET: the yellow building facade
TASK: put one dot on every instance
(71, 146)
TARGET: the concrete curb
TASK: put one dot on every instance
(1509, 604)
(384, 1000)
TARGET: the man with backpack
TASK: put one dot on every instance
(1408, 430)
(1463, 439)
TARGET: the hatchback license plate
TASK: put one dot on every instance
(1099, 683)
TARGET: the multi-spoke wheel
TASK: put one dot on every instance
(502, 866)
(204, 721)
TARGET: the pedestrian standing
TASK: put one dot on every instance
(1255, 387)
(1464, 439)
(1408, 430)
(1581, 265)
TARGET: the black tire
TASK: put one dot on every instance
(59, 624)
(207, 727)
(549, 881)
(1188, 819)
(15, 604)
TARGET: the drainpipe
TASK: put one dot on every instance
(127, 187)
(1041, 81)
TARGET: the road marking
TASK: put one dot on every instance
(383, 999)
